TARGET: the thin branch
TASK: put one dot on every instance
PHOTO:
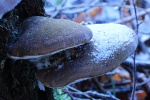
(139, 63)
(132, 17)
(90, 94)
(144, 82)
(98, 85)
(134, 64)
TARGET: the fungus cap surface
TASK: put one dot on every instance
(110, 46)
(44, 36)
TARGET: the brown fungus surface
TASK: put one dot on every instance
(110, 46)
(45, 36)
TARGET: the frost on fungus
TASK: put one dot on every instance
(110, 46)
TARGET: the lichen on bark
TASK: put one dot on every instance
(17, 78)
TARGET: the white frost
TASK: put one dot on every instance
(111, 40)
(41, 86)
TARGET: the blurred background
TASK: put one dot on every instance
(117, 83)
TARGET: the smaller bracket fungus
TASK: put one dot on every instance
(42, 37)
(110, 46)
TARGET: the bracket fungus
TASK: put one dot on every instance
(110, 46)
(42, 37)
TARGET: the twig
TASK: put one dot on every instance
(103, 96)
(90, 94)
(76, 91)
(134, 64)
(144, 82)
(98, 85)
(132, 17)
(139, 63)
(123, 82)
(121, 89)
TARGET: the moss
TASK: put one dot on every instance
(60, 95)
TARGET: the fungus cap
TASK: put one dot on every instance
(45, 36)
(110, 46)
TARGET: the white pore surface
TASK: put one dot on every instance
(37, 57)
(107, 40)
